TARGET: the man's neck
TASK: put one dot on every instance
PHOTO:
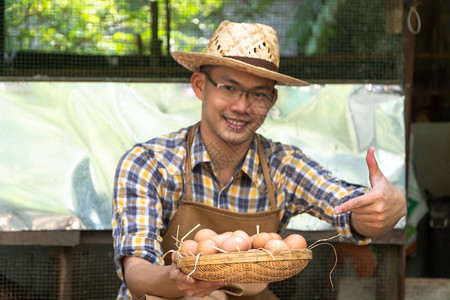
(226, 158)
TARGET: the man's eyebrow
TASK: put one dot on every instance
(229, 79)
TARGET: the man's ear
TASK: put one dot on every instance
(275, 97)
(198, 84)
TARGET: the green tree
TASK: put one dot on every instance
(101, 27)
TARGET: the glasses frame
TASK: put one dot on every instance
(242, 91)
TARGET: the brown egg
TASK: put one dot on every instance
(295, 241)
(228, 233)
(219, 238)
(261, 239)
(204, 233)
(234, 244)
(207, 246)
(276, 245)
(188, 247)
(244, 235)
(276, 236)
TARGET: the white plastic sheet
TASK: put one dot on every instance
(61, 141)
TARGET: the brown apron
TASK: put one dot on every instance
(190, 213)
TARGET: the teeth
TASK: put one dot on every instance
(235, 122)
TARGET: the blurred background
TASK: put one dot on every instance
(82, 81)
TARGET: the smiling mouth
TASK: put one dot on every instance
(236, 124)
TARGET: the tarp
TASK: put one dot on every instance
(61, 141)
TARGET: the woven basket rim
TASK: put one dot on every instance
(251, 256)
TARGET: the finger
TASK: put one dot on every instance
(372, 165)
(200, 288)
(174, 257)
(355, 204)
(177, 275)
(210, 285)
(186, 279)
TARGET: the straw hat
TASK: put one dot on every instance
(248, 47)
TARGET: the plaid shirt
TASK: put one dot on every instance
(149, 183)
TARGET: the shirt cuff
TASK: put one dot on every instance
(347, 233)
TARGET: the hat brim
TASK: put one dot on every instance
(193, 61)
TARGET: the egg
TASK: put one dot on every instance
(207, 246)
(228, 233)
(261, 239)
(234, 244)
(276, 236)
(295, 241)
(244, 235)
(276, 245)
(220, 238)
(204, 233)
(188, 247)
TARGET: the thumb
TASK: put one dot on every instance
(174, 257)
(372, 165)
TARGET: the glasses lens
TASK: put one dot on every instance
(258, 99)
(227, 89)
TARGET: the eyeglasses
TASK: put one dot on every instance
(258, 98)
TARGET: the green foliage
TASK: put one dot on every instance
(123, 27)
(99, 27)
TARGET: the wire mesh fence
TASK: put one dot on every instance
(328, 40)
(87, 272)
(131, 40)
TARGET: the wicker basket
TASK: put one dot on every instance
(254, 266)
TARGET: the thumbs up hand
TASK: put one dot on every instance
(376, 212)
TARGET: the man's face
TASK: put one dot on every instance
(235, 104)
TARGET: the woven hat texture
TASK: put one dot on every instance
(248, 47)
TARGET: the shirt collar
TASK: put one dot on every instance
(252, 166)
(198, 150)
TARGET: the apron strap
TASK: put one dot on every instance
(267, 178)
(188, 167)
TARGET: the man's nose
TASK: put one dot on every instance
(241, 103)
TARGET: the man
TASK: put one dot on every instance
(219, 171)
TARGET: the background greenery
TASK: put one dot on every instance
(324, 39)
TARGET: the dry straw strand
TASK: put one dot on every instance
(190, 231)
(323, 242)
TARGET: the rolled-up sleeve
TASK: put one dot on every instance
(137, 209)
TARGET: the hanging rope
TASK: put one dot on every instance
(412, 12)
